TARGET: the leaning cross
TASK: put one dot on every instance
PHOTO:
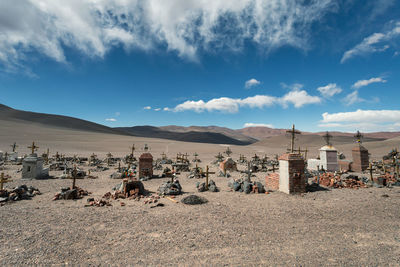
(33, 147)
(293, 133)
(207, 173)
(3, 181)
(371, 169)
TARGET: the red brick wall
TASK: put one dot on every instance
(298, 179)
(272, 181)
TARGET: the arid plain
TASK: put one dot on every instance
(334, 227)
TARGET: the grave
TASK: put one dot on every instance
(327, 157)
(32, 166)
(146, 165)
(360, 155)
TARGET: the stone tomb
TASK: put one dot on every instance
(360, 159)
(146, 165)
(32, 167)
(328, 160)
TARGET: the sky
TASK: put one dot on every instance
(319, 64)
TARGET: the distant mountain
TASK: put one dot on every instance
(212, 129)
(261, 133)
(190, 136)
(58, 121)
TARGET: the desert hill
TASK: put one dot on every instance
(189, 136)
(50, 120)
(235, 134)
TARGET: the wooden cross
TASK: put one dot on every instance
(33, 147)
(14, 146)
(132, 149)
(47, 156)
(293, 133)
(327, 138)
(163, 156)
(228, 151)
(358, 137)
(74, 173)
(371, 169)
(207, 173)
(248, 172)
(3, 181)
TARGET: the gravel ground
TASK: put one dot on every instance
(341, 227)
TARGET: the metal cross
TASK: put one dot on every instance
(293, 133)
(327, 138)
(358, 137)
(33, 147)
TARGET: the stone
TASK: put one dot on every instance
(194, 200)
(71, 194)
(247, 187)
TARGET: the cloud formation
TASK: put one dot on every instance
(367, 120)
(111, 119)
(250, 83)
(329, 90)
(147, 108)
(250, 124)
(352, 98)
(362, 83)
(296, 97)
(182, 26)
(376, 42)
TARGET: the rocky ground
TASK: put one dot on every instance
(337, 227)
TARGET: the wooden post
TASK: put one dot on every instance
(33, 147)
(293, 133)
(73, 177)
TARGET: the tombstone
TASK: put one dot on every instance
(291, 174)
(360, 155)
(146, 165)
(32, 166)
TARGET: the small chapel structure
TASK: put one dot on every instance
(32, 166)
(328, 159)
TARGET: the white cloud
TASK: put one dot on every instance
(329, 90)
(157, 109)
(363, 116)
(147, 108)
(250, 124)
(364, 120)
(362, 83)
(376, 42)
(352, 98)
(94, 27)
(250, 83)
(298, 98)
(111, 119)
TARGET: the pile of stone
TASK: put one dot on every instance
(196, 173)
(97, 203)
(241, 185)
(129, 189)
(170, 188)
(387, 180)
(222, 174)
(18, 193)
(333, 180)
(212, 187)
(71, 193)
(194, 200)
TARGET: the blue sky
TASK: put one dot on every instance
(322, 65)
